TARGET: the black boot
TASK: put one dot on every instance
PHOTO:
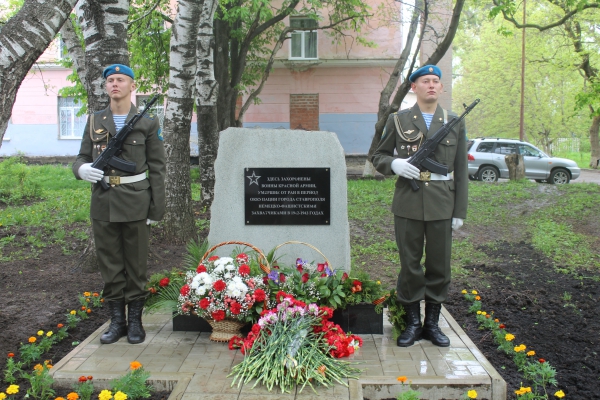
(413, 325)
(135, 330)
(431, 330)
(118, 326)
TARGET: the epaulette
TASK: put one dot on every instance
(150, 116)
(98, 112)
(405, 111)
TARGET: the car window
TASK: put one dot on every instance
(505, 148)
(528, 151)
(469, 144)
(485, 147)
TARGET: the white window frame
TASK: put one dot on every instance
(303, 34)
(70, 126)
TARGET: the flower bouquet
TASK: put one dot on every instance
(295, 344)
(223, 291)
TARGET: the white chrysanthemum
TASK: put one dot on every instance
(230, 267)
(194, 284)
(227, 275)
(201, 290)
(219, 269)
(223, 261)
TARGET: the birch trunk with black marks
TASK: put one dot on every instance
(179, 226)
(23, 39)
(207, 89)
(104, 27)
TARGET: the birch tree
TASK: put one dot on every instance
(179, 220)
(419, 22)
(23, 39)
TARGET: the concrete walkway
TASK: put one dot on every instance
(195, 368)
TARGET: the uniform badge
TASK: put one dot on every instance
(414, 148)
(402, 147)
(102, 148)
(160, 135)
(119, 68)
(408, 132)
(430, 69)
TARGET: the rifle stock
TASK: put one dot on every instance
(110, 155)
(421, 158)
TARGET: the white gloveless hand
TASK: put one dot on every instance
(457, 223)
(87, 173)
(402, 167)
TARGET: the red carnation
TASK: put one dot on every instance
(259, 295)
(323, 275)
(235, 308)
(244, 270)
(299, 268)
(219, 285)
(213, 258)
(280, 296)
(356, 283)
(256, 329)
(305, 277)
(344, 276)
(201, 268)
(218, 315)
(281, 277)
(204, 303)
(235, 342)
(325, 312)
(265, 280)
(242, 258)
(185, 290)
(320, 267)
(164, 282)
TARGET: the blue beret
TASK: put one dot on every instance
(118, 69)
(425, 70)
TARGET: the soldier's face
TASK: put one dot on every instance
(119, 86)
(427, 88)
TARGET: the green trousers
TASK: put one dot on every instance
(431, 283)
(122, 250)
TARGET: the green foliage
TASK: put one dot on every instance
(8, 9)
(395, 313)
(133, 384)
(41, 383)
(30, 352)
(12, 369)
(16, 183)
(85, 388)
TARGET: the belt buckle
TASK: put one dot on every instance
(425, 176)
(114, 180)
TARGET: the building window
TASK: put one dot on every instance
(71, 126)
(61, 48)
(157, 110)
(303, 45)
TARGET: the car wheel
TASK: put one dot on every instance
(559, 176)
(488, 174)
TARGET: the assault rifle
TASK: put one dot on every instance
(421, 158)
(110, 155)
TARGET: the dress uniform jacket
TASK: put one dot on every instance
(436, 200)
(130, 201)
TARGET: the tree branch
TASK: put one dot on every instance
(146, 14)
(541, 28)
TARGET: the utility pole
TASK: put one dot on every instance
(522, 114)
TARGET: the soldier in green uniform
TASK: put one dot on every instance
(122, 215)
(426, 217)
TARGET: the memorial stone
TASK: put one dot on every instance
(276, 185)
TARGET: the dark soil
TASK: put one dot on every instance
(553, 313)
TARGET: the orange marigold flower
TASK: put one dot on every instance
(87, 294)
(401, 379)
(38, 367)
(59, 326)
(72, 396)
(95, 294)
(101, 300)
(496, 320)
(82, 378)
(531, 353)
(135, 365)
(89, 311)
(560, 394)
(32, 339)
(89, 378)
(11, 355)
(87, 300)
(477, 298)
(488, 316)
(83, 308)
(60, 398)
(541, 360)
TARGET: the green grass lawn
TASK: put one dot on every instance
(45, 205)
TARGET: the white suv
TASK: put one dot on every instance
(486, 161)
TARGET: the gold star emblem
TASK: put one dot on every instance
(117, 69)
(430, 69)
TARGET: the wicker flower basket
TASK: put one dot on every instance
(305, 244)
(225, 329)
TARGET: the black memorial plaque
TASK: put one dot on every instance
(287, 196)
